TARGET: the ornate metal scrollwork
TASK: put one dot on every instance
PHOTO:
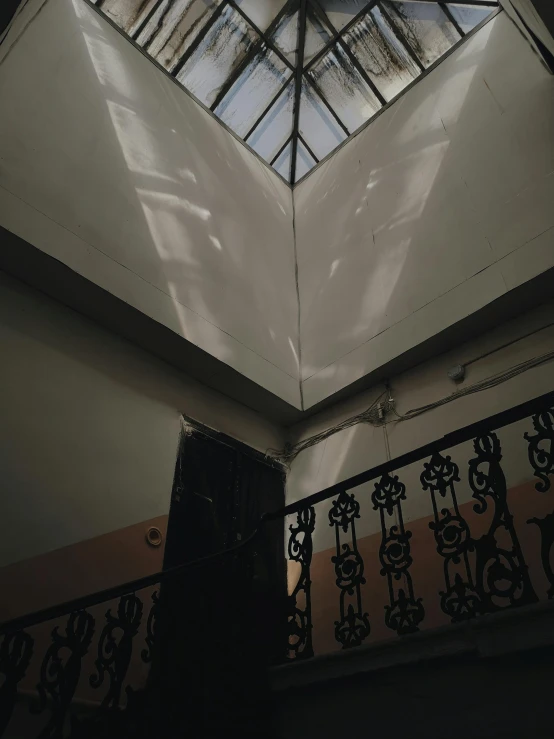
(460, 600)
(546, 527)
(115, 648)
(151, 624)
(16, 651)
(502, 578)
(404, 612)
(541, 448)
(541, 456)
(353, 626)
(61, 669)
(300, 550)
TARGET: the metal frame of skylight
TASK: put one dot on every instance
(337, 37)
(299, 72)
(495, 10)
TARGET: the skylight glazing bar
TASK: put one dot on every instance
(401, 37)
(352, 22)
(317, 71)
(446, 10)
(329, 107)
(198, 40)
(256, 49)
(263, 35)
(281, 150)
(329, 45)
(268, 108)
(151, 13)
(366, 78)
(303, 11)
(310, 152)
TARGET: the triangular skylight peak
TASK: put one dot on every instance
(295, 78)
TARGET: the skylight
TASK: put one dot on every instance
(295, 78)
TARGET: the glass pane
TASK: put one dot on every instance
(173, 28)
(151, 21)
(468, 18)
(261, 12)
(272, 132)
(304, 161)
(253, 91)
(344, 88)
(219, 53)
(426, 27)
(316, 36)
(282, 164)
(341, 12)
(285, 36)
(318, 127)
(382, 55)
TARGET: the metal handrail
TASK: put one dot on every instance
(452, 439)
(103, 596)
(455, 438)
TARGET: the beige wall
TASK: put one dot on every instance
(111, 168)
(90, 426)
(440, 206)
(363, 446)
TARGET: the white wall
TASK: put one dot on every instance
(440, 206)
(89, 426)
(108, 166)
(361, 447)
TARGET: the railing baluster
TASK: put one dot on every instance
(460, 600)
(114, 655)
(60, 671)
(300, 549)
(404, 612)
(541, 458)
(502, 577)
(16, 651)
(151, 625)
(353, 626)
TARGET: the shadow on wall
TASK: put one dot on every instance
(414, 195)
(431, 180)
(187, 195)
(170, 195)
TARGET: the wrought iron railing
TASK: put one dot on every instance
(75, 646)
(480, 574)
(95, 645)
